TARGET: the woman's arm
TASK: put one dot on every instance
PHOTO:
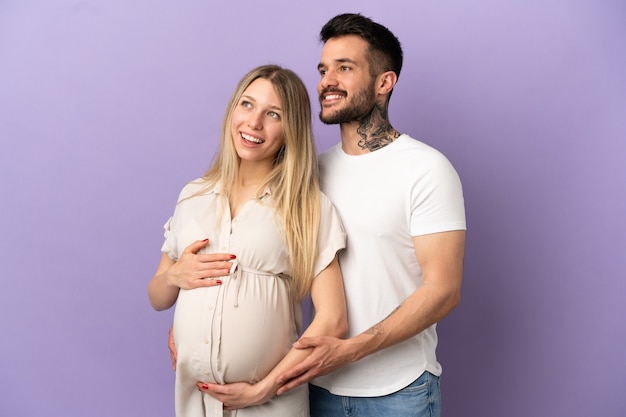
(327, 294)
(162, 294)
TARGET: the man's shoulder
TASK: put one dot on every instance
(412, 148)
(405, 142)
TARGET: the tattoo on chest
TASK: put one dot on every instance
(375, 130)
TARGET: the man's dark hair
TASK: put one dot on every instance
(385, 52)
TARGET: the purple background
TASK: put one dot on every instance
(108, 107)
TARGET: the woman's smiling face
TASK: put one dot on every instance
(256, 124)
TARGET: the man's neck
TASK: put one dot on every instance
(368, 134)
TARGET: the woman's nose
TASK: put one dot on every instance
(254, 121)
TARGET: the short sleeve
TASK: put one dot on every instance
(437, 199)
(169, 245)
(332, 236)
(171, 226)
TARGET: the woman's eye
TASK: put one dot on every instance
(246, 104)
(274, 115)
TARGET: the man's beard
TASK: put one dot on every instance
(360, 106)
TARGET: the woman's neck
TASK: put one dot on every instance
(251, 174)
(249, 179)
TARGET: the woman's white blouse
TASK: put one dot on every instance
(239, 330)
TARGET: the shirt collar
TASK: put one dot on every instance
(217, 189)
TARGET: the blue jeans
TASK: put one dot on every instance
(422, 398)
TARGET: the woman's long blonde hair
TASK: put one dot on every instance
(294, 177)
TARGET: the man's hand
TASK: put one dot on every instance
(329, 353)
(172, 347)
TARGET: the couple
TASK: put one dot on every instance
(254, 236)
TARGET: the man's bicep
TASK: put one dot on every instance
(440, 255)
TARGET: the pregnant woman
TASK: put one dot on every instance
(245, 244)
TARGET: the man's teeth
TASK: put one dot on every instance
(251, 138)
(332, 96)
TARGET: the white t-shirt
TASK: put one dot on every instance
(385, 198)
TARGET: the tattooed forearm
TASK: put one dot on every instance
(379, 329)
(376, 330)
(375, 130)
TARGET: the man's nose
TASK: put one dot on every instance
(328, 79)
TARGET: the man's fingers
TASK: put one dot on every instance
(173, 359)
(292, 373)
(172, 347)
(305, 343)
(296, 382)
(303, 367)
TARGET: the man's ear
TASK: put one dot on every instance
(386, 81)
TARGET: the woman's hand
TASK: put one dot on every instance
(193, 270)
(236, 395)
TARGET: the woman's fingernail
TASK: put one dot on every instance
(205, 240)
(204, 386)
(218, 281)
(233, 256)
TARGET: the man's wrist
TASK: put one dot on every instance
(364, 344)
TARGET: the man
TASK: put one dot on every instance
(402, 207)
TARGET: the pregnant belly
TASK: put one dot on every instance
(234, 333)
